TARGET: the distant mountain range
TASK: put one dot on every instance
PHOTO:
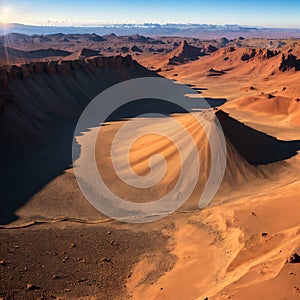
(181, 30)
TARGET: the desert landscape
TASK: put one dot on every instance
(243, 244)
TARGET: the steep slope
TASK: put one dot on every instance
(41, 103)
(185, 53)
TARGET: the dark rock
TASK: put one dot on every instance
(96, 38)
(136, 49)
(294, 258)
(271, 53)
(185, 53)
(211, 48)
(230, 49)
(124, 49)
(158, 50)
(213, 71)
(32, 287)
(289, 62)
(85, 52)
(224, 41)
(246, 56)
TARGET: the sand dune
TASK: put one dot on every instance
(252, 80)
(269, 104)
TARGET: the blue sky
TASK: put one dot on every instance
(269, 13)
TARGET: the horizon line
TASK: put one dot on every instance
(107, 24)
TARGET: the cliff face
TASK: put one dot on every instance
(64, 70)
(36, 95)
(63, 67)
(41, 103)
(289, 62)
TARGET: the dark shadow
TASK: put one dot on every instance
(26, 166)
(200, 89)
(255, 146)
(24, 173)
(139, 107)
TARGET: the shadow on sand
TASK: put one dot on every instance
(255, 146)
(27, 166)
(26, 170)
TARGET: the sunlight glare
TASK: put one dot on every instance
(5, 12)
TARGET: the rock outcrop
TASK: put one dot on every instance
(289, 62)
(248, 55)
(96, 38)
(136, 49)
(271, 53)
(185, 53)
(85, 52)
(61, 68)
(211, 49)
(224, 41)
(124, 49)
